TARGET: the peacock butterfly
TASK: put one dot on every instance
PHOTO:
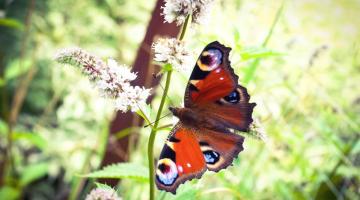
(204, 138)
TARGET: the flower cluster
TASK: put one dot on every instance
(102, 194)
(178, 10)
(257, 130)
(172, 51)
(90, 64)
(111, 79)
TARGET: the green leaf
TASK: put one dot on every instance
(125, 132)
(186, 194)
(103, 186)
(33, 172)
(9, 193)
(33, 138)
(2, 82)
(121, 170)
(17, 68)
(3, 128)
(11, 23)
(257, 52)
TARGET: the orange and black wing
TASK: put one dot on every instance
(212, 77)
(214, 90)
(181, 159)
(188, 153)
(219, 147)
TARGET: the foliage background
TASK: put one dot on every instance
(304, 79)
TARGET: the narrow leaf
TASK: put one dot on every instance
(33, 138)
(33, 172)
(3, 127)
(11, 23)
(103, 186)
(257, 52)
(121, 170)
(17, 68)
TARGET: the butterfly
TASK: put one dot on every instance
(215, 105)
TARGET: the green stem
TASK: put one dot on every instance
(78, 182)
(182, 34)
(249, 74)
(152, 138)
(157, 120)
(143, 115)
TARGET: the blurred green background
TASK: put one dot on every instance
(299, 59)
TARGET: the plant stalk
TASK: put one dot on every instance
(183, 30)
(249, 74)
(154, 128)
(152, 138)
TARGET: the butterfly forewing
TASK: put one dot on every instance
(212, 77)
(214, 90)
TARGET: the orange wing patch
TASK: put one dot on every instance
(181, 159)
(215, 86)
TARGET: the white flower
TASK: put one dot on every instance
(112, 80)
(257, 130)
(178, 10)
(90, 64)
(122, 73)
(102, 194)
(201, 11)
(133, 97)
(172, 51)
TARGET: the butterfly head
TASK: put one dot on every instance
(186, 115)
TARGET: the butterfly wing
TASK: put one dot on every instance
(219, 147)
(188, 153)
(213, 89)
(181, 159)
(233, 111)
(212, 77)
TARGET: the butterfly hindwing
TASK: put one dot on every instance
(187, 154)
(233, 111)
(219, 147)
(180, 160)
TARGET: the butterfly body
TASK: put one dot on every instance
(193, 118)
(204, 138)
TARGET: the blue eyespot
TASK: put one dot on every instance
(166, 172)
(211, 58)
(233, 97)
(211, 157)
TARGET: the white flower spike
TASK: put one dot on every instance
(112, 80)
(172, 51)
(102, 194)
(178, 10)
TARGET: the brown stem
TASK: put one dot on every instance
(19, 96)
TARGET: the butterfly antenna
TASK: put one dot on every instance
(147, 125)
(155, 76)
